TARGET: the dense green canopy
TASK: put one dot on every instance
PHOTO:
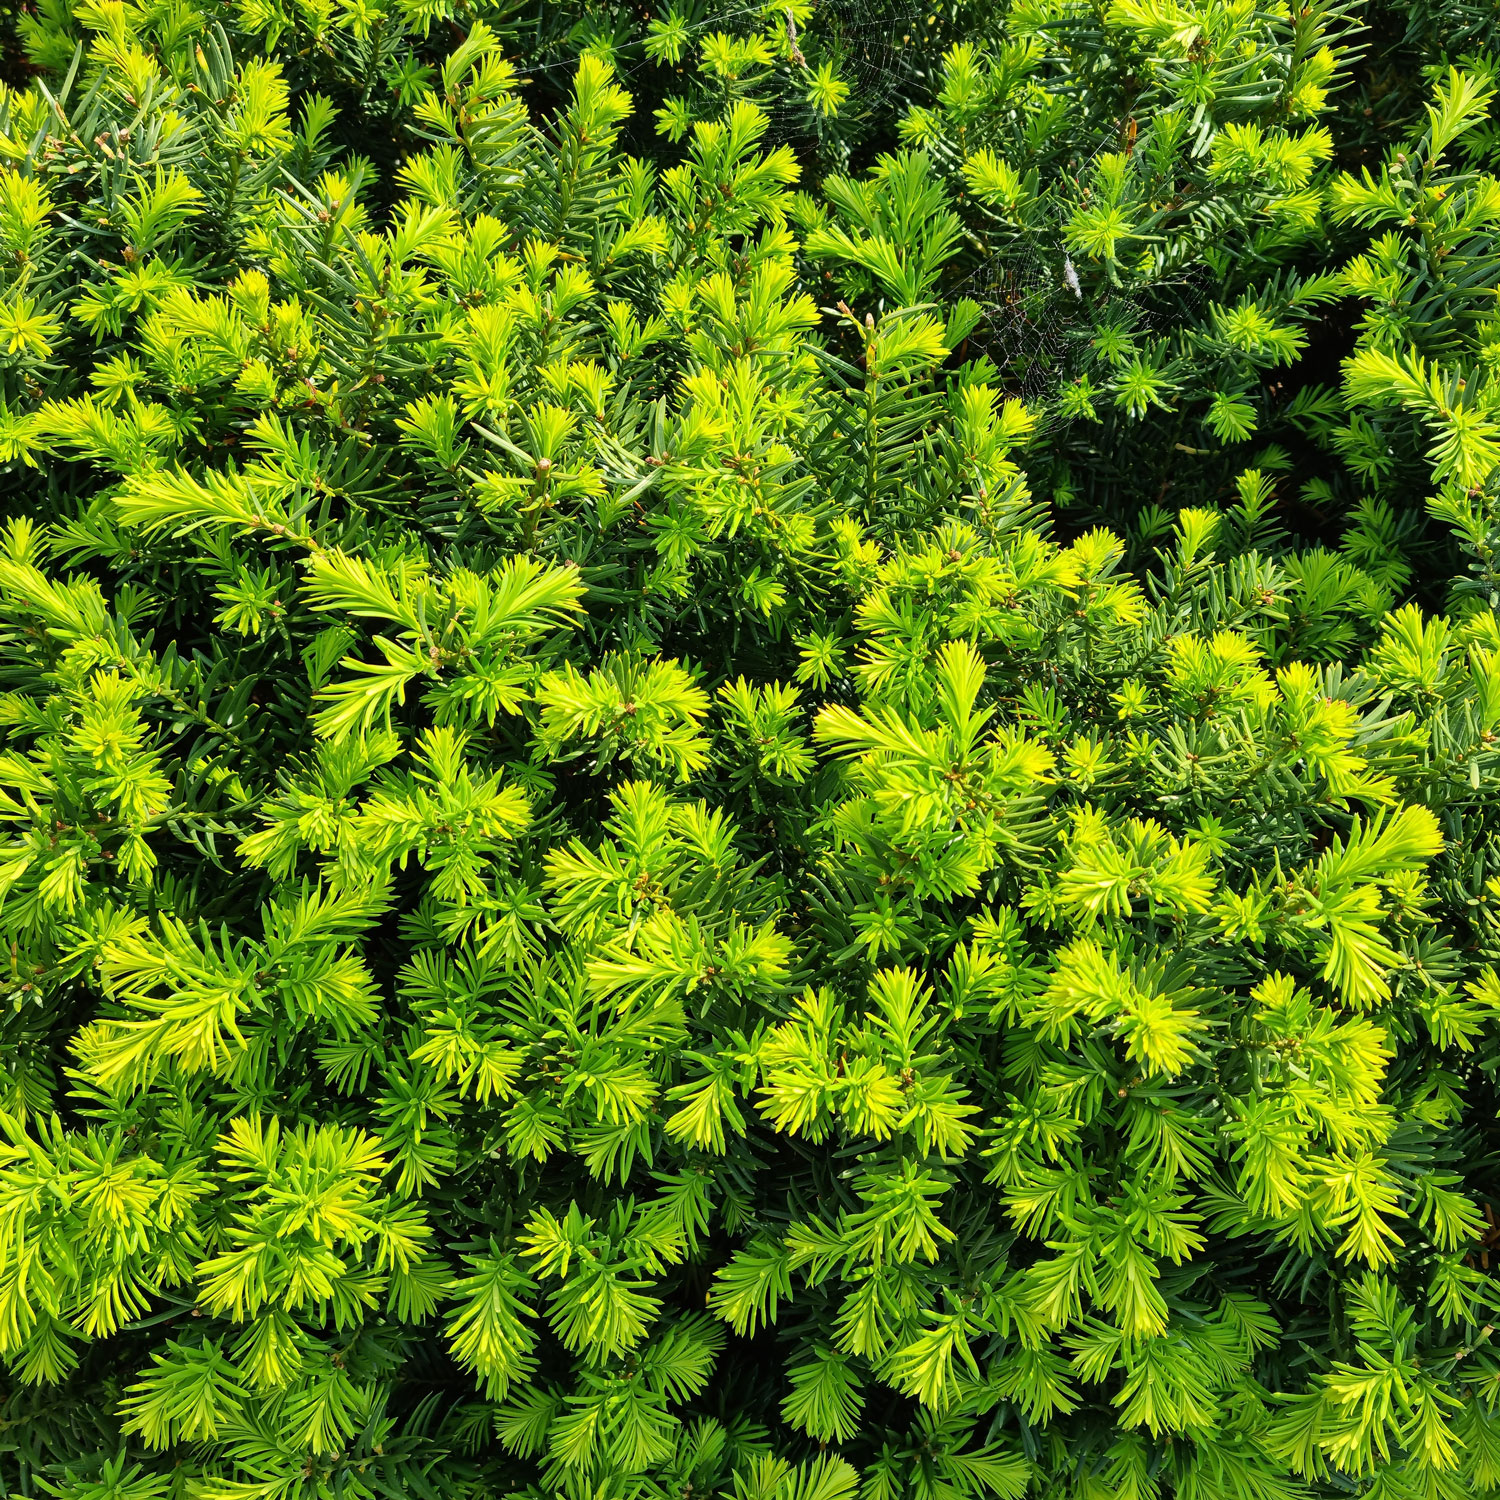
(749, 751)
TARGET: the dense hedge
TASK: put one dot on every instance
(749, 750)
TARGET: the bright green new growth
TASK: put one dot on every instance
(741, 765)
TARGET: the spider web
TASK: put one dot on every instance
(1042, 318)
(867, 42)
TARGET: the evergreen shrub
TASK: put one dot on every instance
(749, 751)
